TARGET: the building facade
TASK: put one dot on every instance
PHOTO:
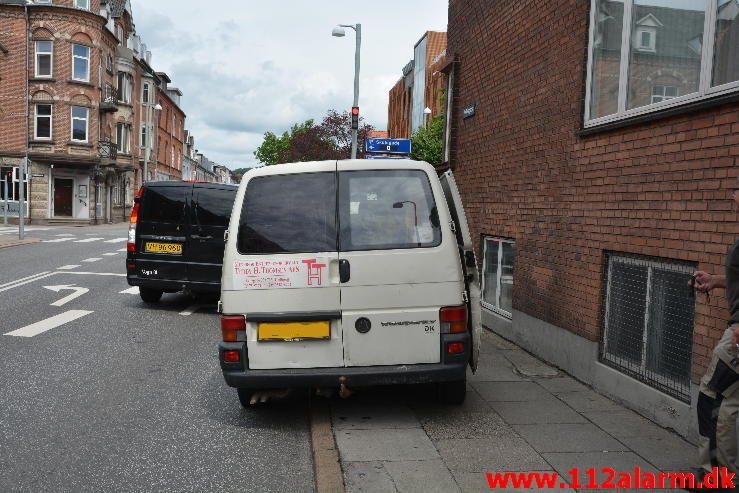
(595, 144)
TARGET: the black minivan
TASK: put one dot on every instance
(175, 238)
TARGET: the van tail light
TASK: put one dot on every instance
(233, 328)
(453, 319)
(455, 348)
(131, 245)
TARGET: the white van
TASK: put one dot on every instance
(348, 274)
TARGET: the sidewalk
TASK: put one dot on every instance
(520, 415)
(10, 241)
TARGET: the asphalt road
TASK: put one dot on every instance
(125, 396)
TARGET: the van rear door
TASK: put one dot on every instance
(467, 257)
(398, 267)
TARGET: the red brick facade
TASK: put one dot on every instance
(659, 188)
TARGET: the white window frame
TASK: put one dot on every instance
(705, 90)
(44, 53)
(651, 47)
(86, 6)
(50, 116)
(123, 138)
(146, 93)
(494, 308)
(125, 87)
(87, 59)
(663, 94)
(143, 135)
(86, 120)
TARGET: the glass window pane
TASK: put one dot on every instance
(43, 46)
(81, 51)
(627, 293)
(44, 65)
(506, 278)
(673, 55)
(43, 109)
(164, 204)
(79, 112)
(213, 206)
(490, 273)
(726, 53)
(80, 69)
(79, 130)
(289, 214)
(43, 127)
(382, 210)
(609, 20)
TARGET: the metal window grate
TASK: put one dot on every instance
(648, 327)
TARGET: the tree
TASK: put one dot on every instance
(428, 142)
(307, 144)
(272, 146)
(337, 129)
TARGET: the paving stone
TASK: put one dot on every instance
(626, 423)
(589, 401)
(421, 476)
(511, 391)
(384, 445)
(564, 462)
(537, 412)
(494, 340)
(530, 366)
(477, 483)
(490, 454)
(496, 374)
(361, 416)
(467, 425)
(561, 384)
(367, 477)
(671, 453)
(473, 403)
(568, 438)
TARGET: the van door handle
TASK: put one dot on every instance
(345, 271)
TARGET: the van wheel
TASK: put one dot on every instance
(150, 295)
(245, 397)
(453, 392)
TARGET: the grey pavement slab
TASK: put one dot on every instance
(671, 453)
(422, 476)
(478, 483)
(349, 415)
(490, 454)
(473, 403)
(495, 341)
(496, 374)
(626, 423)
(589, 401)
(565, 462)
(568, 438)
(536, 412)
(468, 425)
(385, 445)
(511, 391)
(367, 477)
(561, 384)
(530, 366)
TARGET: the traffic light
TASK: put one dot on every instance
(355, 118)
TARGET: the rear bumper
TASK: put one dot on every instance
(174, 285)
(452, 368)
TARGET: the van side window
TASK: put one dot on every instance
(387, 209)
(164, 204)
(213, 206)
(289, 214)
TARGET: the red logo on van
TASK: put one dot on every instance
(315, 272)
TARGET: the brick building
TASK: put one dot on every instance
(85, 71)
(171, 131)
(422, 85)
(595, 144)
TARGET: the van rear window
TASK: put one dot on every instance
(387, 209)
(289, 214)
(164, 204)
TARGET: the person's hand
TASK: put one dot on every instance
(735, 337)
(703, 282)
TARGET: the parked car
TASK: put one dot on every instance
(349, 273)
(176, 237)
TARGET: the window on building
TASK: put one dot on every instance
(44, 58)
(694, 43)
(145, 93)
(119, 34)
(82, 4)
(120, 191)
(80, 63)
(663, 93)
(80, 120)
(10, 183)
(142, 140)
(42, 122)
(109, 63)
(649, 315)
(497, 276)
(123, 138)
(125, 87)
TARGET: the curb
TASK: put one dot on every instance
(326, 465)
(12, 243)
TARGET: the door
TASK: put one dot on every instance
(398, 268)
(211, 211)
(63, 201)
(469, 262)
(283, 274)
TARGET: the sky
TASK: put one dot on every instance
(246, 67)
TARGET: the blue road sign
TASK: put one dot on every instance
(389, 146)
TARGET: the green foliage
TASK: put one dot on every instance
(428, 142)
(272, 146)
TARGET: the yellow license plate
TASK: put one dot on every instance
(156, 247)
(293, 331)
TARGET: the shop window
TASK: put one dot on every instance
(497, 276)
(10, 183)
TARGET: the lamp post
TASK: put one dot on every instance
(426, 114)
(339, 32)
(149, 140)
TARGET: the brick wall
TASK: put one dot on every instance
(12, 63)
(660, 189)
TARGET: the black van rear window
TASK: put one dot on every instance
(213, 206)
(289, 214)
(164, 204)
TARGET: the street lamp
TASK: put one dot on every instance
(339, 32)
(150, 135)
(426, 114)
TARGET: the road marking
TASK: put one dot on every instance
(59, 240)
(77, 293)
(48, 324)
(66, 234)
(109, 274)
(26, 280)
(193, 308)
(91, 260)
(44, 275)
(133, 290)
(68, 267)
(123, 250)
(110, 254)
(23, 279)
(117, 240)
(88, 240)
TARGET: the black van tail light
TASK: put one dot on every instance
(453, 319)
(131, 245)
(233, 328)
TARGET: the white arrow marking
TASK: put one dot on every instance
(91, 260)
(49, 323)
(118, 240)
(133, 290)
(71, 287)
(123, 250)
(67, 267)
(59, 240)
(112, 254)
(88, 240)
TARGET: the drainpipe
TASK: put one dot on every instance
(22, 167)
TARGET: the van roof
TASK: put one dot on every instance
(359, 164)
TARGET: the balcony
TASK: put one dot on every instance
(107, 152)
(109, 99)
